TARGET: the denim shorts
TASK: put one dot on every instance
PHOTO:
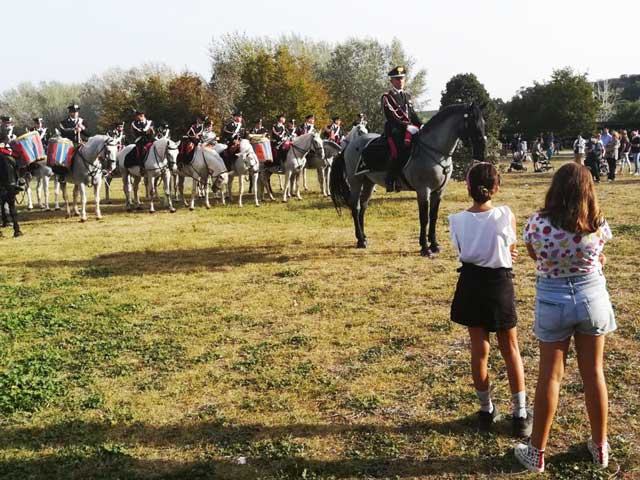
(565, 306)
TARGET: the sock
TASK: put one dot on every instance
(519, 402)
(536, 456)
(486, 405)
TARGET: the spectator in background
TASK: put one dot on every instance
(625, 150)
(611, 155)
(578, 150)
(595, 151)
(635, 151)
(537, 153)
(606, 137)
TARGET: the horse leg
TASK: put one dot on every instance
(194, 191)
(14, 215)
(150, 182)
(229, 185)
(56, 192)
(207, 204)
(167, 191)
(4, 205)
(136, 192)
(241, 193)
(126, 188)
(96, 194)
(436, 197)
(302, 175)
(107, 190)
(254, 181)
(365, 196)
(74, 194)
(423, 210)
(83, 199)
(65, 198)
(288, 178)
(29, 195)
(45, 192)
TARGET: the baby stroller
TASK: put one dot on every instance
(543, 164)
(604, 167)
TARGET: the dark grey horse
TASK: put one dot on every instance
(426, 172)
(8, 190)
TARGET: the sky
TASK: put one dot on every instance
(508, 44)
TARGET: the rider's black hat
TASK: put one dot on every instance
(258, 120)
(118, 124)
(398, 72)
(237, 113)
(6, 119)
(74, 107)
(37, 119)
(282, 115)
(164, 125)
(139, 112)
(309, 117)
(336, 118)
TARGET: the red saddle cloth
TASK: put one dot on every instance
(286, 145)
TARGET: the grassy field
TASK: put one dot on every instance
(258, 343)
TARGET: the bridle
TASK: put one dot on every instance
(165, 156)
(92, 169)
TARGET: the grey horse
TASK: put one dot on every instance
(426, 172)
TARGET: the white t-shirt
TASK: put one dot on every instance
(484, 238)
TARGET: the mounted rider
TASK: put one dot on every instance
(361, 119)
(163, 131)
(38, 126)
(232, 133)
(196, 130)
(6, 131)
(308, 126)
(144, 133)
(401, 124)
(72, 127)
(291, 129)
(208, 136)
(333, 131)
(258, 128)
(117, 133)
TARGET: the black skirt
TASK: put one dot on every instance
(485, 298)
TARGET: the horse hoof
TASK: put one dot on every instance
(98, 217)
(30, 208)
(191, 209)
(425, 252)
(83, 219)
(57, 209)
(435, 249)
(362, 244)
(172, 210)
(152, 211)
(17, 233)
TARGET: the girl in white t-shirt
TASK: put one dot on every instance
(484, 300)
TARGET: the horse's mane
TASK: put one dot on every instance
(446, 112)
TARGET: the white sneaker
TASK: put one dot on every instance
(600, 454)
(530, 457)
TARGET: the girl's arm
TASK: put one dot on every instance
(513, 248)
(531, 251)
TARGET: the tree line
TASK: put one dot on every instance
(296, 77)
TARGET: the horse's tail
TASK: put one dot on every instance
(340, 190)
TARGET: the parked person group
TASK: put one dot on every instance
(565, 239)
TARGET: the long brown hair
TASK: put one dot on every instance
(571, 202)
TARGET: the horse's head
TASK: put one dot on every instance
(317, 146)
(474, 130)
(171, 154)
(110, 154)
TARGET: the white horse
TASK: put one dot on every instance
(245, 163)
(42, 174)
(206, 163)
(296, 161)
(159, 161)
(86, 169)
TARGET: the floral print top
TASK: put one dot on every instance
(564, 254)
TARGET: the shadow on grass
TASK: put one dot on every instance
(86, 446)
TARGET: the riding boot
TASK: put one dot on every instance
(392, 166)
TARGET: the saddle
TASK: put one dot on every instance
(187, 151)
(375, 156)
(135, 158)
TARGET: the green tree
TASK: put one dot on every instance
(565, 105)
